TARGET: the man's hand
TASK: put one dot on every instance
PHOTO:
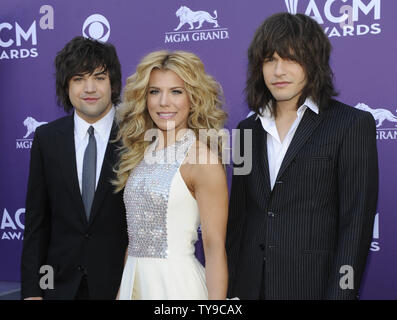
(34, 298)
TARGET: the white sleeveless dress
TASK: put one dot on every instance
(163, 219)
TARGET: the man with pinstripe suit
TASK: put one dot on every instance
(300, 222)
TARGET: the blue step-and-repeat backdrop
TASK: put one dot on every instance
(362, 32)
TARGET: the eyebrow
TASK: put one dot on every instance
(101, 73)
(81, 74)
(169, 88)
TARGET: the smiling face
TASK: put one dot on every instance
(284, 78)
(167, 101)
(91, 95)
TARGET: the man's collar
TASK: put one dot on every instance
(309, 103)
(101, 127)
(268, 121)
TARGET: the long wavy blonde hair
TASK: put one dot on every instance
(205, 95)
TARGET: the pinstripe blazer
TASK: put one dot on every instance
(293, 240)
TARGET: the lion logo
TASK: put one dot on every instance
(186, 15)
(31, 125)
(379, 115)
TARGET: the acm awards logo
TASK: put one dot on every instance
(340, 18)
(383, 117)
(31, 125)
(96, 27)
(18, 40)
(196, 26)
(12, 225)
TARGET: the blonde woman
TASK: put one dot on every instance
(172, 184)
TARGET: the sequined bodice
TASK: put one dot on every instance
(146, 197)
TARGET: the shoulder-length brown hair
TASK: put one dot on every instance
(296, 37)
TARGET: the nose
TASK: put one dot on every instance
(279, 68)
(90, 85)
(163, 99)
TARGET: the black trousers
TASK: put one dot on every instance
(82, 291)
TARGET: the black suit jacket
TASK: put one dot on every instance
(57, 232)
(319, 216)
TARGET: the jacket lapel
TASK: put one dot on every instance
(67, 159)
(261, 175)
(107, 174)
(306, 127)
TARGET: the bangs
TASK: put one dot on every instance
(285, 40)
(88, 66)
(285, 47)
(87, 59)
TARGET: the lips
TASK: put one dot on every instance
(166, 115)
(90, 99)
(281, 84)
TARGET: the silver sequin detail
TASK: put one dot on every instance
(146, 199)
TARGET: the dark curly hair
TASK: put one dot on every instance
(82, 55)
(296, 37)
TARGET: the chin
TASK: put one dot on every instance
(163, 127)
(284, 98)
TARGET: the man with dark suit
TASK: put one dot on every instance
(301, 221)
(75, 226)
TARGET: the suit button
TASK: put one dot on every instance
(262, 246)
(271, 214)
(87, 236)
(82, 269)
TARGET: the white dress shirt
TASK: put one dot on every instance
(102, 130)
(276, 149)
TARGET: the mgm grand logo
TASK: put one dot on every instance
(196, 26)
(31, 125)
(386, 122)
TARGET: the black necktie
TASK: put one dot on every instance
(89, 173)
